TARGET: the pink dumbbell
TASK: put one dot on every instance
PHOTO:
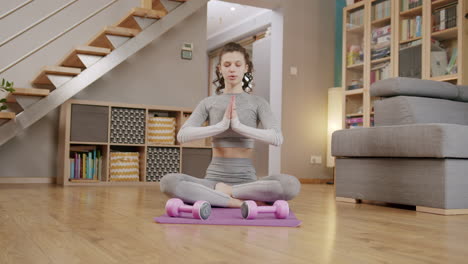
(249, 209)
(199, 210)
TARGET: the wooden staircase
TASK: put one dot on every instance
(84, 64)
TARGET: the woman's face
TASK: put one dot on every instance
(233, 67)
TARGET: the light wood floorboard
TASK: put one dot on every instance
(43, 223)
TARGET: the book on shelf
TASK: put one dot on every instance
(356, 19)
(444, 17)
(355, 84)
(409, 4)
(380, 71)
(356, 120)
(411, 28)
(381, 42)
(381, 9)
(85, 163)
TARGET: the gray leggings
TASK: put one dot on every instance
(237, 172)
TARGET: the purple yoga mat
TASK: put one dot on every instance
(231, 216)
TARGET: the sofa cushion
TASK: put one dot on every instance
(414, 87)
(401, 110)
(416, 140)
(462, 93)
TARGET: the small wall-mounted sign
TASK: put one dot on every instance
(186, 52)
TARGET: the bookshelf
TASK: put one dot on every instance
(106, 143)
(400, 38)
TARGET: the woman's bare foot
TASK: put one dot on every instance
(224, 188)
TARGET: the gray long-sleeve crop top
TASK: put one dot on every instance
(251, 110)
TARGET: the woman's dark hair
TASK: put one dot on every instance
(247, 79)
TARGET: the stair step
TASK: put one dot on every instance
(7, 115)
(153, 5)
(77, 57)
(90, 50)
(11, 99)
(111, 37)
(49, 72)
(121, 31)
(158, 13)
(140, 18)
(25, 97)
(31, 92)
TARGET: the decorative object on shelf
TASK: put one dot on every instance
(161, 130)
(124, 166)
(5, 89)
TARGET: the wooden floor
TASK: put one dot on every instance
(113, 224)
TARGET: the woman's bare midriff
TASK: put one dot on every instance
(233, 152)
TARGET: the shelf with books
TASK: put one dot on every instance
(355, 18)
(88, 143)
(357, 66)
(426, 41)
(381, 44)
(353, 108)
(410, 40)
(381, 10)
(445, 34)
(355, 30)
(381, 22)
(440, 3)
(354, 115)
(444, 40)
(412, 12)
(353, 122)
(87, 163)
(354, 91)
(356, 5)
(124, 160)
(446, 78)
(377, 61)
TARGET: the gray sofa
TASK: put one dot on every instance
(417, 152)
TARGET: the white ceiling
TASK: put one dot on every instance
(221, 17)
